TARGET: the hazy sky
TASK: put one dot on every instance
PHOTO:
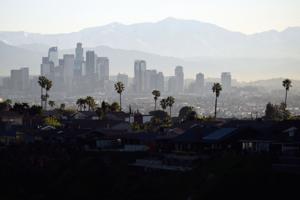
(54, 16)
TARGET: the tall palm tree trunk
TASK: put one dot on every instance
(46, 100)
(170, 111)
(155, 104)
(216, 104)
(285, 98)
(120, 101)
(41, 97)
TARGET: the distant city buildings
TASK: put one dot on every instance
(176, 83)
(139, 75)
(146, 80)
(172, 85)
(123, 78)
(199, 83)
(79, 61)
(68, 70)
(160, 82)
(18, 80)
(179, 75)
(102, 68)
(90, 64)
(226, 81)
(53, 55)
(74, 72)
(47, 68)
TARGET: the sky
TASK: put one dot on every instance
(61, 16)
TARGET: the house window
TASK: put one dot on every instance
(247, 146)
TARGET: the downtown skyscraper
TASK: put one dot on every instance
(139, 76)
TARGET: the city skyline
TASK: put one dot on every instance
(100, 65)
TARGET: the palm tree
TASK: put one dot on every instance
(287, 84)
(48, 87)
(105, 107)
(84, 103)
(90, 101)
(21, 108)
(42, 83)
(6, 105)
(119, 87)
(80, 103)
(217, 88)
(8, 102)
(62, 106)
(156, 94)
(115, 107)
(103, 110)
(163, 104)
(170, 102)
(51, 104)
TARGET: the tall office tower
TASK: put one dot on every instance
(47, 68)
(123, 78)
(14, 79)
(90, 65)
(226, 80)
(83, 68)
(68, 67)
(19, 79)
(199, 83)
(160, 82)
(6, 83)
(172, 85)
(25, 77)
(79, 59)
(102, 68)
(53, 55)
(150, 80)
(139, 75)
(61, 62)
(58, 83)
(179, 78)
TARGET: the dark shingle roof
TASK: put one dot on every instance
(194, 134)
(219, 134)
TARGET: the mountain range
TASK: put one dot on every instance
(198, 46)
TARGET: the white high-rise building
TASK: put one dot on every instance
(123, 78)
(19, 79)
(150, 80)
(139, 75)
(53, 55)
(160, 82)
(79, 60)
(199, 83)
(226, 80)
(68, 66)
(47, 68)
(102, 68)
(172, 85)
(179, 78)
(90, 64)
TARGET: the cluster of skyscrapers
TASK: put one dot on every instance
(76, 74)
(74, 71)
(146, 80)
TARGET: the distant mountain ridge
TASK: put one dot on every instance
(198, 46)
(172, 37)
